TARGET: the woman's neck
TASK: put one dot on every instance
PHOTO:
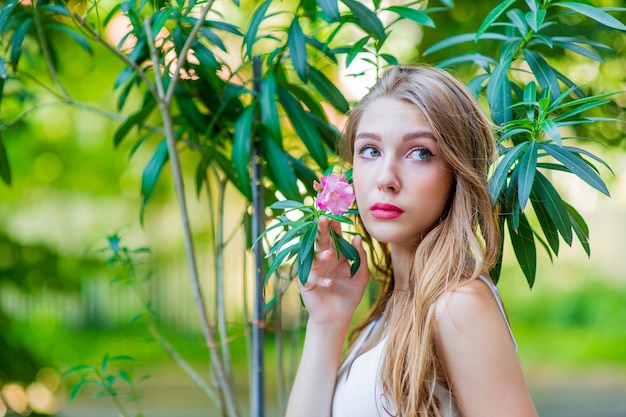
(402, 261)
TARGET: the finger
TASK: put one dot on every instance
(323, 239)
(315, 282)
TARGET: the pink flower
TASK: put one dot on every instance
(335, 194)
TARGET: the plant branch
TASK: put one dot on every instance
(96, 36)
(182, 58)
(46, 54)
(170, 137)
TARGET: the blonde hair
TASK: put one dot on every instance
(463, 245)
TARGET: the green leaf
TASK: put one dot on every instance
(500, 174)
(465, 37)
(418, 16)
(523, 242)
(18, 40)
(580, 228)
(242, 149)
(527, 167)
(306, 252)
(551, 129)
(492, 17)
(304, 127)
(328, 90)
(580, 50)
(554, 206)
(136, 119)
(576, 165)
(286, 205)
(356, 49)
(594, 13)
(294, 231)
(79, 38)
(280, 170)
(518, 20)
(313, 104)
(544, 73)
(5, 169)
(547, 225)
(535, 19)
(297, 49)
(151, 174)
(257, 18)
(269, 111)
(281, 257)
(330, 9)
(347, 250)
(191, 113)
(366, 19)
(499, 94)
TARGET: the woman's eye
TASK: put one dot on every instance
(420, 154)
(369, 152)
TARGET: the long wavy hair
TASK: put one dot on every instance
(464, 244)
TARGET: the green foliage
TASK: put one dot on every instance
(181, 87)
(118, 384)
(532, 116)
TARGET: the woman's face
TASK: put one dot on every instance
(401, 182)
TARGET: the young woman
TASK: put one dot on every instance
(437, 342)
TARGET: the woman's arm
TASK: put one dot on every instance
(331, 297)
(479, 355)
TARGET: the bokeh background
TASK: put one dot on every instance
(61, 305)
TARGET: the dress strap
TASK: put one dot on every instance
(496, 294)
(358, 345)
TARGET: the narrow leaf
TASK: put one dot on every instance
(576, 165)
(554, 206)
(306, 252)
(547, 225)
(500, 174)
(257, 18)
(499, 94)
(492, 17)
(269, 111)
(297, 49)
(544, 73)
(18, 40)
(594, 13)
(523, 243)
(330, 8)
(304, 127)
(79, 38)
(418, 16)
(580, 228)
(328, 90)
(366, 19)
(527, 167)
(150, 176)
(5, 169)
(280, 170)
(242, 144)
(552, 131)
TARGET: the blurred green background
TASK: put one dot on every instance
(61, 307)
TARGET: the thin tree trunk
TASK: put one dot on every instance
(258, 223)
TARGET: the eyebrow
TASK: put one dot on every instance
(412, 135)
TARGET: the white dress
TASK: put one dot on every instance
(358, 392)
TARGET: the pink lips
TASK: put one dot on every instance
(386, 211)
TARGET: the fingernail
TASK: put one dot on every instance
(327, 282)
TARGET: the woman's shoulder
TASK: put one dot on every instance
(472, 311)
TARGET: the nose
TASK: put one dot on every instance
(388, 178)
